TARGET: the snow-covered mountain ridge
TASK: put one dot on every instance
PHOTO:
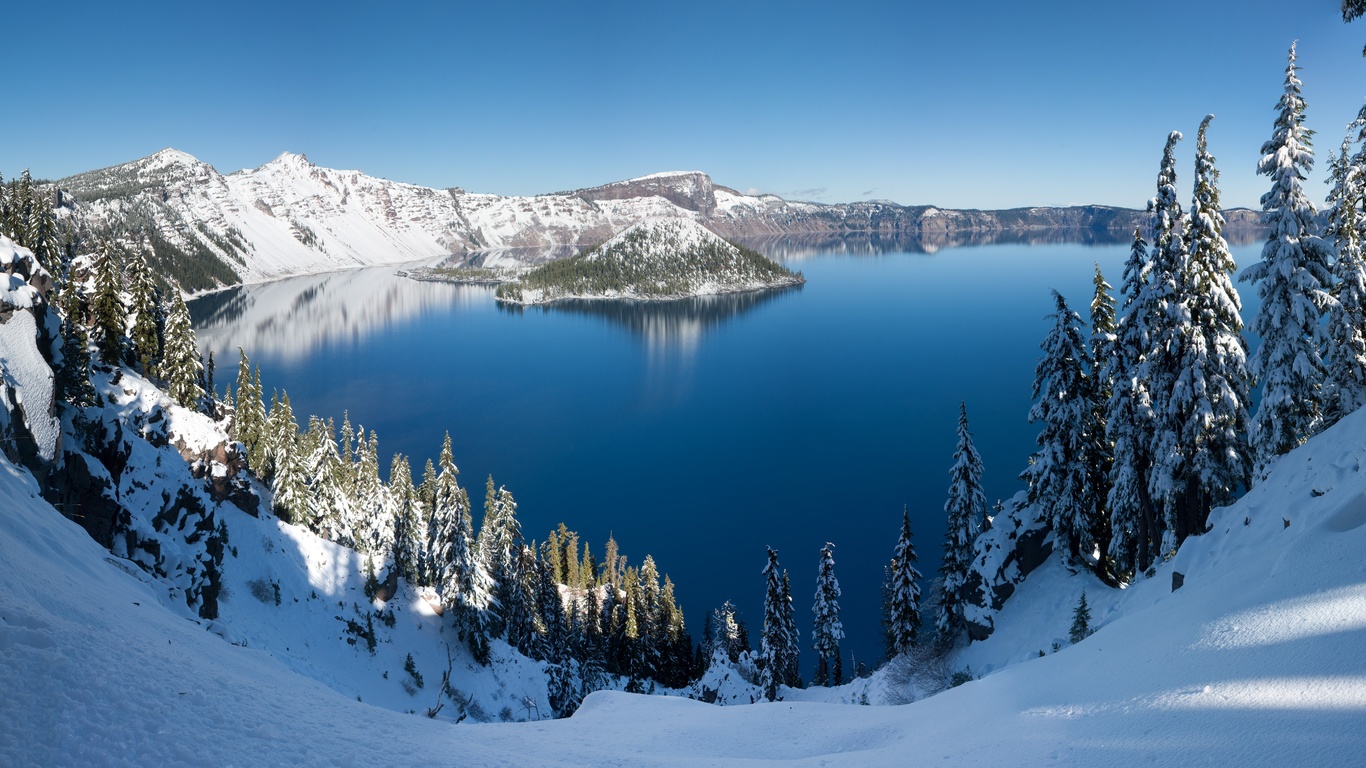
(291, 217)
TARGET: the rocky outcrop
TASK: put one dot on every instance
(30, 432)
(1018, 541)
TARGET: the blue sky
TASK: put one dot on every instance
(956, 104)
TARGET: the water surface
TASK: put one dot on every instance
(698, 431)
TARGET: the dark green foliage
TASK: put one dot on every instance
(358, 631)
(147, 321)
(106, 308)
(411, 669)
(623, 267)
(181, 366)
(901, 594)
(1081, 621)
(73, 375)
(1351, 10)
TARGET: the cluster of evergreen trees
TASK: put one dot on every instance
(650, 262)
(1144, 421)
(551, 601)
(26, 216)
(110, 298)
(1145, 424)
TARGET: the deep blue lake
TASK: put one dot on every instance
(698, 431)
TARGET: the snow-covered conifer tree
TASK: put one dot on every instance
(289, 486)
(1204, 457)
(106, 308)
(1056, 475)
(827, 630)
(500, 544)
(1169, 326)
(329, 506)
(464, 584)
(1293, 280)
(901, 619)
(181, 365)
(145, 318)
(375, 511)
(1133, 520)
(1098, 456)
(775, 642)
(1344, 355)
(792, 672)
(73, 375)
(551, 628)
(403, 507)
(966, 508)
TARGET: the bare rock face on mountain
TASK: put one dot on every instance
(689, 190)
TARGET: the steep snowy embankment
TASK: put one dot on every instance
(1256, 660)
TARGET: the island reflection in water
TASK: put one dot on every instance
(291, 318)
(676, 326)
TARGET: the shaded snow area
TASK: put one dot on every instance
(26, 381)
(1256, 661)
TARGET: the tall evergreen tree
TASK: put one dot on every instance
(1205, 458)
(500, 546)
(290, 483)
(775, 643)
(407, 518)
(792, 672)
(375, 510)
(44, 240)
(1293, 280)
(106, 307)
(1344, 356)
(901, 610)
(1056, 476)
(181, 365)
(145, 317)
(827, 630)
(464, 584)
(426, 495)
(73, 374)
(1098, 455)
(965, 508)
(1133, 518)
(329, 505)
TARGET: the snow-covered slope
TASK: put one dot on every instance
(1256, 661)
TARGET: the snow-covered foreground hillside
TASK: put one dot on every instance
(1256, 660)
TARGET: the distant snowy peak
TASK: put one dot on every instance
(169, 168)
(661, 237)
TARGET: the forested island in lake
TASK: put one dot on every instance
(658, 259)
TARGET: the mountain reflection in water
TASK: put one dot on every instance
(677, 325)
